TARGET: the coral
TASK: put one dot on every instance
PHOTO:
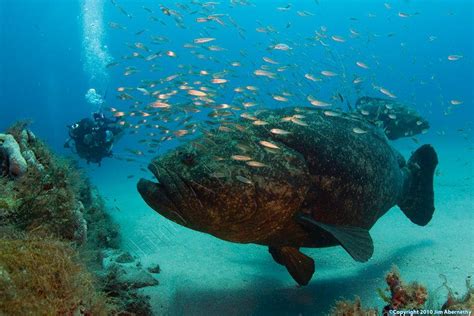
(43, 198)
(17, 128)
(465, 302)
(17, 151)
(46, 203)
(27, 139)
(52, 198)
(44, 277)
(12, 161)
(404, 296)
(348, 308)
(53, 203)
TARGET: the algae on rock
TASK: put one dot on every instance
(54, 199)
(400, 296)
(62, 229)
(45, 277)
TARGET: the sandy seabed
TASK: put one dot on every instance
(202, 275)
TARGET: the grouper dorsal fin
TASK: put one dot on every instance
(356, 241)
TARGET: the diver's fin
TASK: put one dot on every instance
(299, 265)
(355, 240)
(418, 200)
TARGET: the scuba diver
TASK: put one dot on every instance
(93, 138)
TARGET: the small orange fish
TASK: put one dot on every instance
(280, 98)
(387, 93)
(362, 65)
(241, 158)
(358, 130)
(268, 144)
(328, 73)
(338, 38)
(181, 132)
(278, 131)
(319, 103)
(282, 46)
(203, 40)
(354, 32)
(197, 93)
(218, 80)
(310, 77)
(249, 104)
(169, 78)
(256, 164)
(159, 104)
(298, 121)
(248, 116)
(119, 114)
(170, 53)
(331, 113)
(270, 61)
(243, 180)
(454, 57)
(264, 73)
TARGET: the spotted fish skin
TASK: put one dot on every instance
(355, 178)
(397, 119)
(324, 183)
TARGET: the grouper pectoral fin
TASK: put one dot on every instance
(299, 265)
(356, 241)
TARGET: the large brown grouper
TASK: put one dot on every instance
(292, 178)
(397, 120)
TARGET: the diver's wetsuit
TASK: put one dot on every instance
(93, 139)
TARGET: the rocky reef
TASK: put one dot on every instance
(400, 296)
(456, 302)
(42, 277)
(352, 308)
(59, 248)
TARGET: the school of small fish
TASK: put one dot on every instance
(204, 76)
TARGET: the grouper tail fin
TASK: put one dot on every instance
(417, 201)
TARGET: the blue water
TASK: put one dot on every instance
(48, 61)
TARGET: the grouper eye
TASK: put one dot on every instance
(187, 158)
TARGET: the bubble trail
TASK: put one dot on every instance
(96, 55)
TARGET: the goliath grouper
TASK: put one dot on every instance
(292, 178)
(397, 119)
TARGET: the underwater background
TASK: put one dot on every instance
(420, 52)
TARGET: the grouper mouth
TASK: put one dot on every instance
(164, 196)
